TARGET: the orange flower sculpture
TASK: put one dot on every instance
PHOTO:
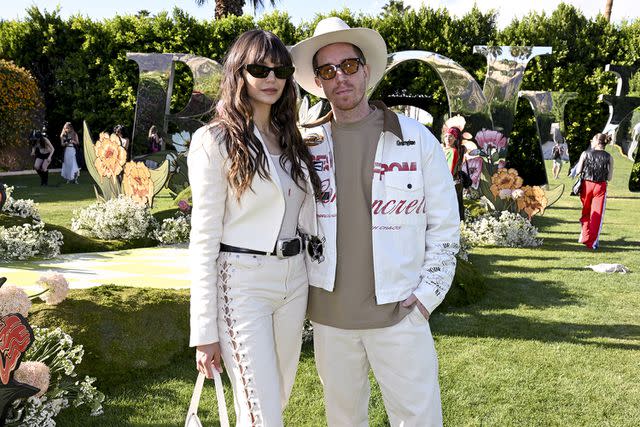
(110, 155)
(505, 179)
(137, 182)
(533, 201)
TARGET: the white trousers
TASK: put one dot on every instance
(261, 306)
(404, 362)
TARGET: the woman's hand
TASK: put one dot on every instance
(207, 356)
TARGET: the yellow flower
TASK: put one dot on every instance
(533, 201)
(137, 183)
(110, 156)
(505, 179)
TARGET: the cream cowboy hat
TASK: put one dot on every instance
(335, 30)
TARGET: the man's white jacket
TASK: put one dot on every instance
(414, 213)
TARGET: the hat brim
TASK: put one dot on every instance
(369, 41)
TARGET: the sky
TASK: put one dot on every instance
(305, 10)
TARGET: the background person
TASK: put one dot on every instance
(155, 140)
(596, 167)
(558, 153)
(388, 219)
(70, 143)
(42, 150)
(454, 153)
(253, 187)
(121, 132)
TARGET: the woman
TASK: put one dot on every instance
(454, 152)
(155, 140)
(596, 167)
(43, 151)
(254, 188)
(120, 131)
(69, 140)
(558, 152)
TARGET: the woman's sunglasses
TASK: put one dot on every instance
(348, 66)
(262, 71)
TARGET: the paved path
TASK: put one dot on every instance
(158, 267)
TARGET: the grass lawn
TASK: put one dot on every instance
(551, 343)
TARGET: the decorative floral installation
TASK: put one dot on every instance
(504, 228)
(505, 179)
(119, 218)
(136, 182)
(532, 201)
(56, 350)
(473, 166)
(14, 300)
(24, 208)
(35, 374)
(21, 242)
(184, 206)
(491, 140)
(107, 164)
(56, 288)
(110, 155)
(49, 364)
(174, 230)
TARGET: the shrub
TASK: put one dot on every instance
(21, 109)
(174, 230)
(500, 229)
(29, 240)
(24, 208)
(119, 218)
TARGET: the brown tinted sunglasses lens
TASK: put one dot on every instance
(348, 66)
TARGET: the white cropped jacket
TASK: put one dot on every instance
(217, 217)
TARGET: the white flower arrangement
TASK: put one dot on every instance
(25, 208)
(174, 230)
(500, 229)
(29, 240)
(118, 218)
(55, 349)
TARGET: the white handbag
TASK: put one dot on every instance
(192, 416)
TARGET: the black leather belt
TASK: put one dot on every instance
(283, 248)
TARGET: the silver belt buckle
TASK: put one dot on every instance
(281, 243)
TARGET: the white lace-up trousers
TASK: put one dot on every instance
(261, 307)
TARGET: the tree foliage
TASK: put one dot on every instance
(21, 109)
(81, 66)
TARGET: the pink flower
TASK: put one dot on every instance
(56, 286)
(491, 138)
(184, 206)
(516, 194)
(474, 167)
(502, 164)
(505, 193)
(14, 300)
(35, 374)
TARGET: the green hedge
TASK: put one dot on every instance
(81, 66)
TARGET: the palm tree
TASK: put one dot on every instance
(233, 7)
(607, 10)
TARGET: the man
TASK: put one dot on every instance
(385, 255)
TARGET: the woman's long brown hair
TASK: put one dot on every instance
(235, 116)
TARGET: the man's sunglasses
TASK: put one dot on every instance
(262, 71)
(348, 66)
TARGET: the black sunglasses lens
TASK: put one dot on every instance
(284, 72)
(258, 71)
